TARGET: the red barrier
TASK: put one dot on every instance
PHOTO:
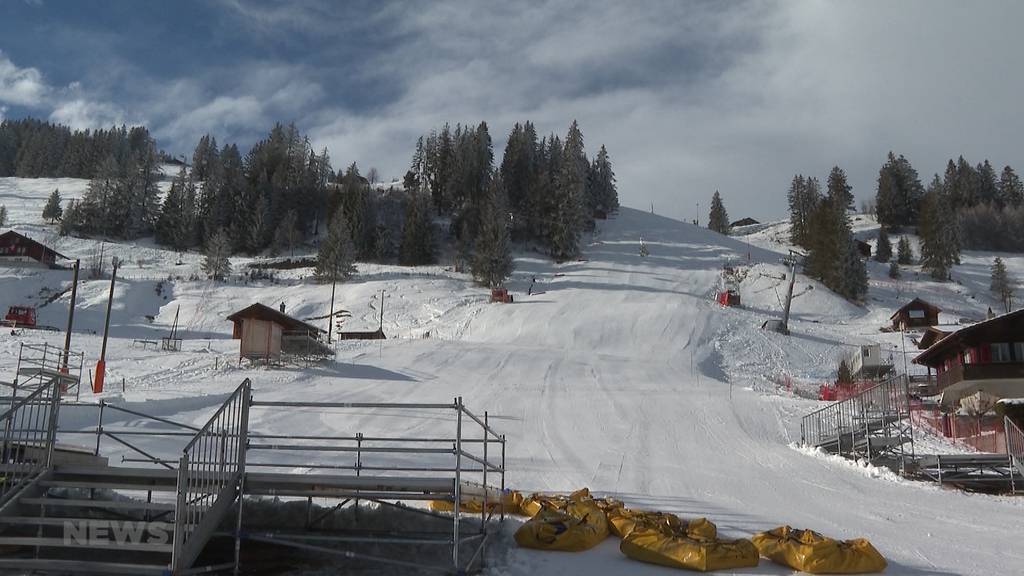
(986, 434)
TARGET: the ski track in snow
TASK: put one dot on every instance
(620, 373)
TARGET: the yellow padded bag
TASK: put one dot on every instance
(678, 550)
(579, 525)
(811, 552)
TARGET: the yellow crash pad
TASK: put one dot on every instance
(809, 551)
(676, 549)
(578, 525)
(622, 521)
(533, 503)
(513, 504)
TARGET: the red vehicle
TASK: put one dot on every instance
(21, 315)
(729, 298)
(501, 295)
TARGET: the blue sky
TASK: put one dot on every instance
(689, 96)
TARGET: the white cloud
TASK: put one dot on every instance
(21, 86)
(694, 97)
(221, 115)
(81, 114)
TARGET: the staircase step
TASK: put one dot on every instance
(85, 484)
(117, 472)
(119, 504)
(37, 521)
(82, 567)
(91, 544)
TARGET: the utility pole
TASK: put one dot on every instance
(101, 364)
(381, 311)
(71, 317)
(330, 317)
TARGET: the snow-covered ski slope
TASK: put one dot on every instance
(619, 373)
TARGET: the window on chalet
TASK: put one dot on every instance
(970, 356)
(917, 313)
(1018, 351)
(1001, 352)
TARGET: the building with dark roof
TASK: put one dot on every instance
(18, 250)
(987, 356)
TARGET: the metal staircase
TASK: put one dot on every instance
(873, 425)
(72, 509)
(66, 511)
(113, 520)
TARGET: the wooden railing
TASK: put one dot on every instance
(960, 372)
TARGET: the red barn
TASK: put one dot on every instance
(18, 251)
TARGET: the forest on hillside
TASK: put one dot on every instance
(282, 194)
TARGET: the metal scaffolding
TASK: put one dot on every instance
(874, 425)
(225, 461)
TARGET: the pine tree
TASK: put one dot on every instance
(883, 249)
(804, 196)
(53, 211)
(718, 219)
(853, 283)
(1011, 190)
(288, 235)
(569, 204)
(899, 193)
(335, 259)
(839, 189)
(894, 269)
(175, 225)
(987, 183)
(204, 158)
(938, 229)
(417, 244)
(1001, 283)
(3, 215)
(217, 261)
(833, 257)
(492, 256)
(826, 245)
(904, 253)
(604, 182)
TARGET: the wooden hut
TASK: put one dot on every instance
(270, 335)
(915, 314)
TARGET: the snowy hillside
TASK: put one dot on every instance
(618, 372)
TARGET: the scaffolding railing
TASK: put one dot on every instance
(1014, 451)
(470, 457)
(38, 364)
(874, 424)
(211, 473)
(28, 436)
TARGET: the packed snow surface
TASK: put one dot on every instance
(618, 373)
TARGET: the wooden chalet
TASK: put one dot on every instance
(915, 314)
(748, 221)
(933, 334)
(17, 250)
(987, 356)
(271, 335)
(864, 248)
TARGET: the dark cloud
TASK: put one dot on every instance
(689, 97)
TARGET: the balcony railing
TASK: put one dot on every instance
(996, 370)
